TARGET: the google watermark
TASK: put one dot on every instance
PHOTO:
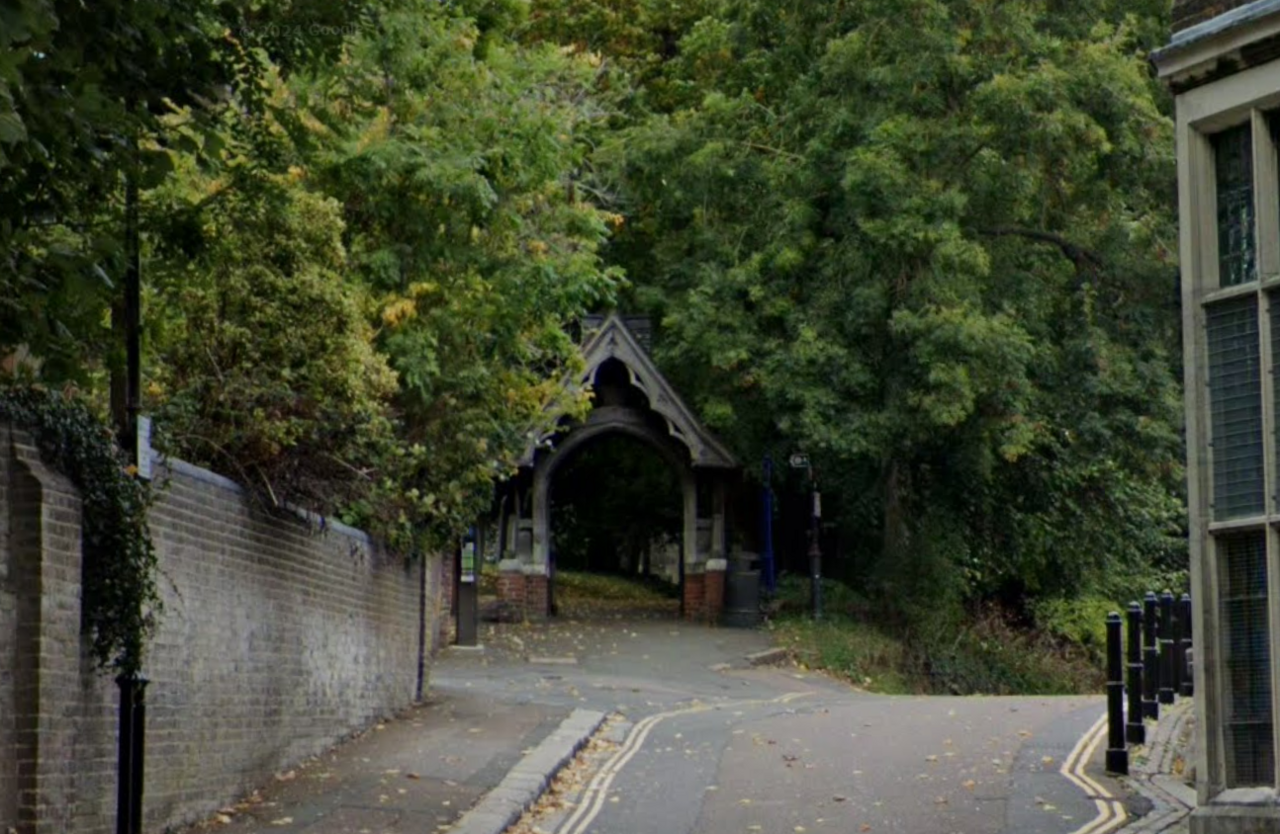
(293, 30)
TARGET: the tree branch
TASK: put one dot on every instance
(1082, 257)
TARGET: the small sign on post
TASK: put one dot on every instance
(143, 447)
(468, 572)
(799, 461)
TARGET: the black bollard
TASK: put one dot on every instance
(1166, 648)
(1134, 730)
(1175, 636)
(1117, 753)
(133, 728)
(1150, 658)
(1188, 682)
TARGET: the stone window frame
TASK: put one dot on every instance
(1250, 96)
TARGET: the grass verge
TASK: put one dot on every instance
(987, 654)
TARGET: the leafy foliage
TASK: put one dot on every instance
(84, 91)
(265, 363)
(463, 221)
(120, 602)
(930, 244)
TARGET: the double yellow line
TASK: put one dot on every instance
(597, 792)
(1111, 813)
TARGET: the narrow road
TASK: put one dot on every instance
(710, 746)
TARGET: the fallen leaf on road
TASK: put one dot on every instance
(412, 776)
(864, 827)
(283, 821)
(930, 758)
(1047, 760)
(969, 784)
(940, 800)
(838, 799)
(223, 818)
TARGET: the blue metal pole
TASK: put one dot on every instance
(770, 576)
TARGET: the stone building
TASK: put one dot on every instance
(1223, 65)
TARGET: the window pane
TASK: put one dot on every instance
(1233, 166)
(1248, 726)
(1273, 305)
(1235, 408)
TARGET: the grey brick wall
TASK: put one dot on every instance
(276, 641)
(1187, 13)
(44, 555)
(8, 649)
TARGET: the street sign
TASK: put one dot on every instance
(799, 461)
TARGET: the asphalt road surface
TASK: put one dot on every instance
(705, 744)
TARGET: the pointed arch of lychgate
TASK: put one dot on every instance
(659, 417)
(615, 341)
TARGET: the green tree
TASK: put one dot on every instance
(930, 243)
(452, 152)
(262, 357)
(85, 89)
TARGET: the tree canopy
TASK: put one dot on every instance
(927, 242)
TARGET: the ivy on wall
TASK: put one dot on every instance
(120, 602)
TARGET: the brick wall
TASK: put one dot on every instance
(713, 595)
(8, 649)
(1187, 13)
(44, 555)
(695, 599)
(275, 642)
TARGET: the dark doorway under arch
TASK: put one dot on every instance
(617, 509)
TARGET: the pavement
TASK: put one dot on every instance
(703, 739)
(1159, 772)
